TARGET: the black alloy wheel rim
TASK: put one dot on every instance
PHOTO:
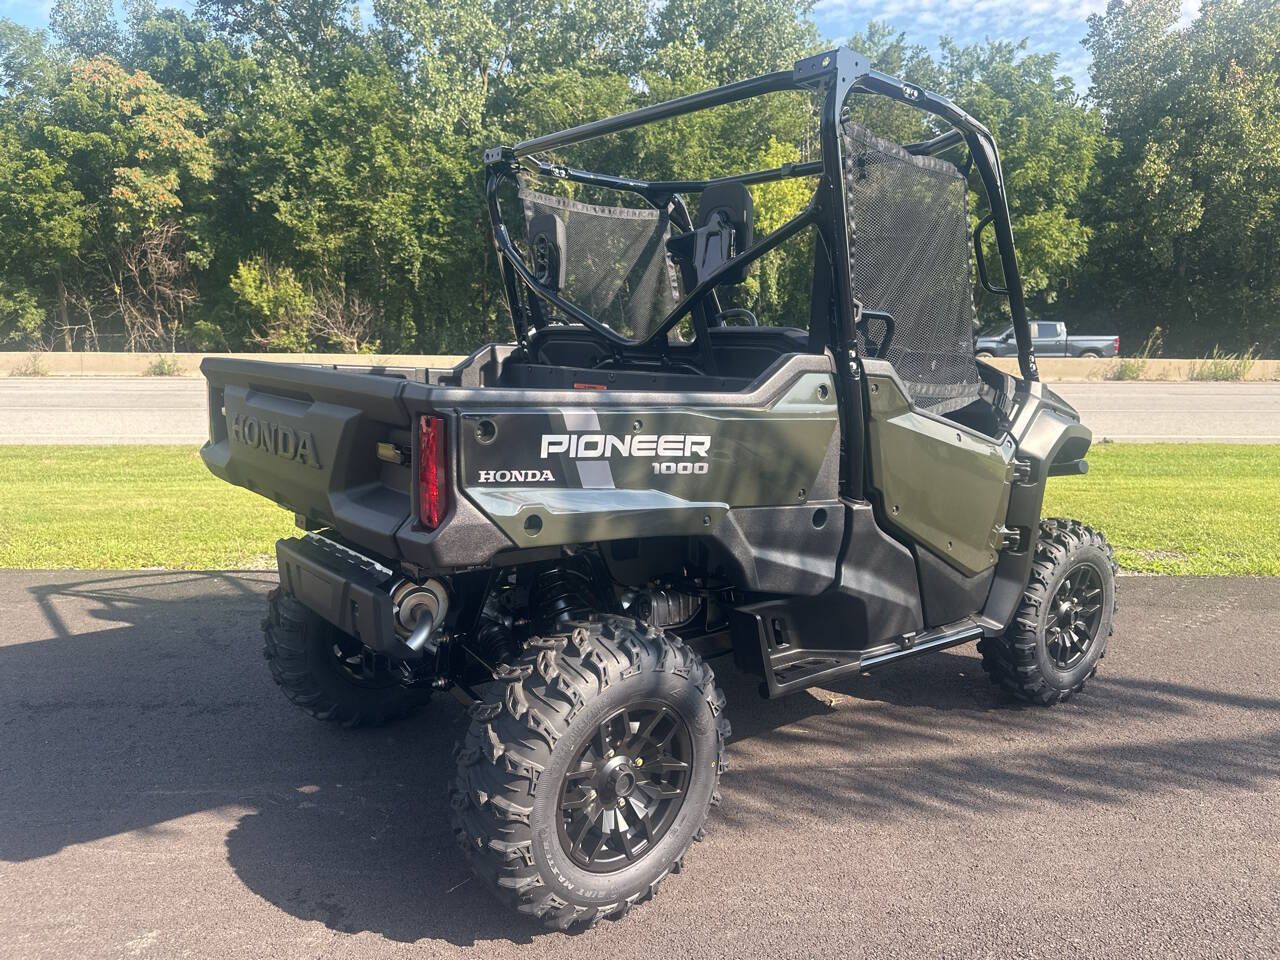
(625, 787)
(1074, 616)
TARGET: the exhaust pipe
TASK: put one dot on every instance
(420, 611)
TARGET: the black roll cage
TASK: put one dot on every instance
(834, 75)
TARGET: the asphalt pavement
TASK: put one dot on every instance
(110, 410)
(159, 798)
(174, 410)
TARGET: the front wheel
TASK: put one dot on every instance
(585, 782)
(1061, 628)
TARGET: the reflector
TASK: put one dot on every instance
(433, 481)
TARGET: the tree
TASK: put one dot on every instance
(145, 159)
(278, 305)
(42, 226)
(43, 216)
(1185, 210)
(29, 69)
(1049, 142)
(154, 287)
(357, 190)
(189, 58)
(732, 39)
(87, 28)
(95, 158)
(309, 32)
(889, 52)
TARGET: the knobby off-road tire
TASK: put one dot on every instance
(535, 756)
(313, 663)
(1056, 639)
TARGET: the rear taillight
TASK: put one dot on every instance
(1117, 343)
(433, 472)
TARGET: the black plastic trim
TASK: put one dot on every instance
(341, 589)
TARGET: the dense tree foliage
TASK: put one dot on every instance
(1186, 211)
(287, 174)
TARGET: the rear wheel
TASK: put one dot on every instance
(1061, 629)
(1091, 354)
(582, 786)
(328, 673)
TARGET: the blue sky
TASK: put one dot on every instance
(1048, 25)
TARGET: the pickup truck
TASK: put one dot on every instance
(1050, 340)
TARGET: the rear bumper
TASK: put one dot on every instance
(343, 587)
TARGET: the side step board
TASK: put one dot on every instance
(788, 667)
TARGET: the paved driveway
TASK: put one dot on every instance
(159, 798)
(161, 410)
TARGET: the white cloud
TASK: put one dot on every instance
(861, 10)
(1055, 26)
(1047, 25)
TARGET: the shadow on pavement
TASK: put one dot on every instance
(151, 702)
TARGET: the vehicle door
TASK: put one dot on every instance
(1001, 342)
(1049, 339)
(942, 483)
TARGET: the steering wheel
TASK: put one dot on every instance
(738, 313)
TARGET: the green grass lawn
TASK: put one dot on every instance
(1167, 508)
(129, 507)
(1180, 508)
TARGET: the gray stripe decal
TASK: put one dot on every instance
(592, 474)
(595, 474)
(583, 419)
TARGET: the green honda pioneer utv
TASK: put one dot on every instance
(568, 529)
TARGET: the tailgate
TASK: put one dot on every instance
(307, 438)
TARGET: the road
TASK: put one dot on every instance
(160, 799)
(103, 410)
(1152, 412)
(158, 410)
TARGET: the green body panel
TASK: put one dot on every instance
(590, 516)
(780, 453)
(943, 485)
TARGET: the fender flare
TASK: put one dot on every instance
(1048, 433)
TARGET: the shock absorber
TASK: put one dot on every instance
(565, 592)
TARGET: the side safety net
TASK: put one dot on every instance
(610, 262)
(909, 239)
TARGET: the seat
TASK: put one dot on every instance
(748, 351)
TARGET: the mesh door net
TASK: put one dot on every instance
(909, 238)
(616, 264)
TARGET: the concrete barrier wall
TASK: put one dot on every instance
(1081, 370)
(188, 364)
(1052, 370)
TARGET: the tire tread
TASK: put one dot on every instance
(288, 634)
(492, 795)
(1010, 660)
